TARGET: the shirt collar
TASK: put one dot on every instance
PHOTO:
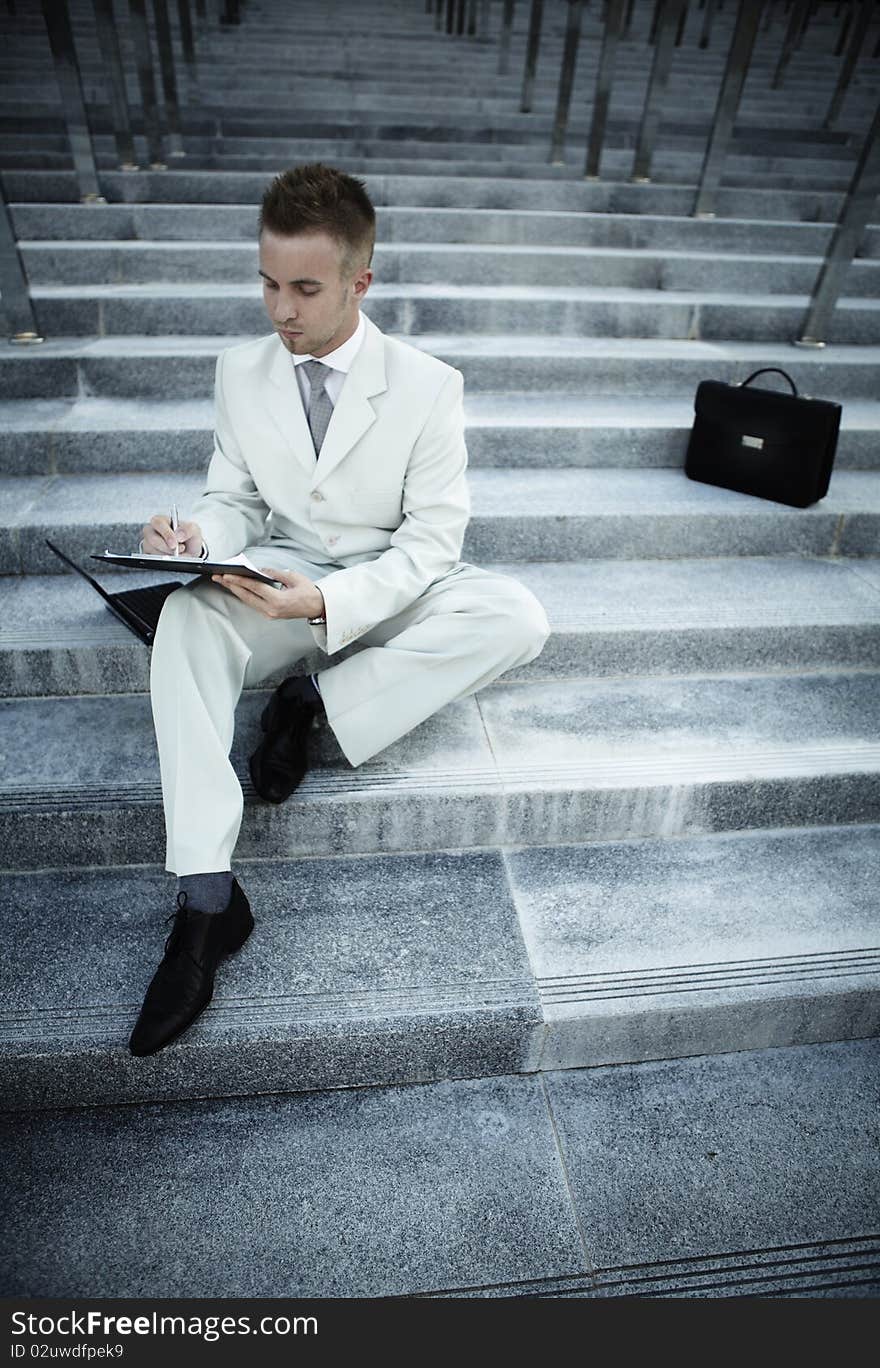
(341, 359)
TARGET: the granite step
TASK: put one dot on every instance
(517, 515)
(572, 962)
(78, 264)
(609, 619)
(525, 763)
(136, 229)
(601, 311)
(758, 1168)
(172, 368)
(99, 436)
(527, 187)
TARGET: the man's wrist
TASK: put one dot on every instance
(319, 618)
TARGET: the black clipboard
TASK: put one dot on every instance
(181, 565)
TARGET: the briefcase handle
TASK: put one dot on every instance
(770, 370)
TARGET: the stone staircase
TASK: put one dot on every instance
(614, 915)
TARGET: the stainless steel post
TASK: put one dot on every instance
(534, 42)
(566, 80)
(605, 76)
(108, 41)
(853, 48)
(450, 15)
(796, 20)
(438, 17)
(706, 30)
(140, 35)
(679, 33)
(472, 19)
(484, 21)
(747, 19)
(231, 13)
(459, 18)
(16, 297)
(844, 30)
(855, 214)
(201, 11)
(656, 92)
(504, 44)
(57, 17)
(169, 81)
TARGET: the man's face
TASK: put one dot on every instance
(310, 296)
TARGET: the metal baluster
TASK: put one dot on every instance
(655, 16)
(484, 21)
(844, 30)
(201, 10)
(534, 41)
(854, 46)
(768, 21)
(706, 31)
(450, 15)
(566, 80)
(108, 41)
(472, 19)
(14, 291)
(188, 48)
(504, 45)
(438, 16)
(169, 82)
(748, 15)
(855, 214)
(231, 14)
(627, 23)
(459, 18)
(656, 92)
(604, 78)
(57, 17)
(681, 26)
(140, 34)
(796, 21)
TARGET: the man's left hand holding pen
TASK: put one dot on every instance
(166, 536)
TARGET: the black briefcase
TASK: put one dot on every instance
(763, 442)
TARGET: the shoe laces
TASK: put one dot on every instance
(179, 919)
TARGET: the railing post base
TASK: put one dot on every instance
(808, 342)
(26, 339)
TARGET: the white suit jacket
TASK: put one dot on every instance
(387, 499)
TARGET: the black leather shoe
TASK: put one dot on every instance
(280, 761)
(183, 985)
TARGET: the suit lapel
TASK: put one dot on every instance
(286, 410)
(353, 413)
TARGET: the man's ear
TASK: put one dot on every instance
(361, 282)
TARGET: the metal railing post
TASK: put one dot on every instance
(140, 35)
(472, 19)
(706, 30)
(438, 17)
(604, 78)
(504, 44)
(484, 21)
(450, 15)
(660, 68)
(534, 42)
(58, 27)
(844, 29)
(108, 42)
(169, 81)
(796, 21)
(853, 48)
(231, 13)
(566, 80)
(679, 34)
(459, 18)
(15, 296)
(855, 214)
(748, 16)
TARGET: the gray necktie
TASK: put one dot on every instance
(320, 409)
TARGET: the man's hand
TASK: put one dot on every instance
(299, 598)
(159, 540)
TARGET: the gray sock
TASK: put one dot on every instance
(206, 892)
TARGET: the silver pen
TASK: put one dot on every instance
(174, 521)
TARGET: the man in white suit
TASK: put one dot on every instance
(339, 468)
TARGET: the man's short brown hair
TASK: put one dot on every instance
(318, 198)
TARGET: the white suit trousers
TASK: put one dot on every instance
(464, 631)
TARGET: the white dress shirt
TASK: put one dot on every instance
(339, 361)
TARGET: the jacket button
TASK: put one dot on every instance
(317, 496)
